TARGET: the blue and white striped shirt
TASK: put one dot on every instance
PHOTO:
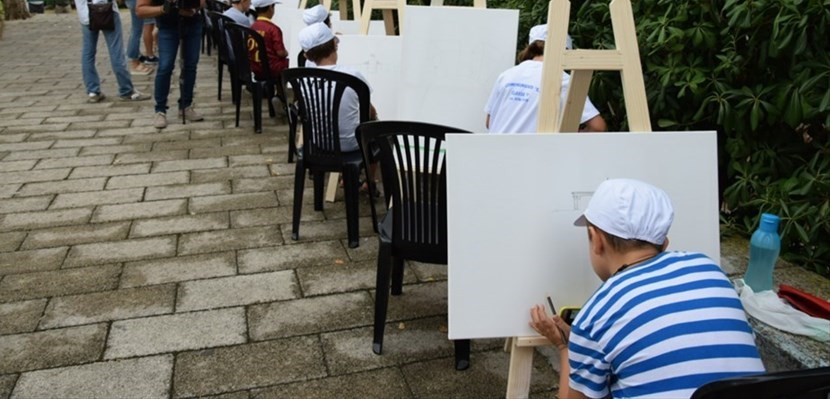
(661, 330)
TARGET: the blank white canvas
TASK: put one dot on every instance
(379, 59)
(512, 200)
(453, 56)
(290, 21)
(351, 27)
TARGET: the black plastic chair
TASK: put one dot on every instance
(415, 226)
(266, 85)
(798, 384)
(224, 57)
(318, 93)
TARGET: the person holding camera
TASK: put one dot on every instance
(178, 21)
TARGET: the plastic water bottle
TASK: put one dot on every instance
(763, 252)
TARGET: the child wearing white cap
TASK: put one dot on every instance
(513, 106)
(312, 16)
(272, 35)
(662, 323)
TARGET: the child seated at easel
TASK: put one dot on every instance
(662, 323)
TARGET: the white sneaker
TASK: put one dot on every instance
(95, 97)
(135, 96)
(160, 120)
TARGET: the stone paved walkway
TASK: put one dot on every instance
(151, 264)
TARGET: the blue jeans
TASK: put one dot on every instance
(115, 47)
(190, 34)
(136, 29)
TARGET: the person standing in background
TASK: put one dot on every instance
(134, 42)
(178, 22)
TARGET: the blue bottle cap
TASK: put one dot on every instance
(769, 222)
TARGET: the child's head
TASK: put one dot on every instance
(630, 215)
(536, 43)
(264, 8)
(318, 42)
(316, 14)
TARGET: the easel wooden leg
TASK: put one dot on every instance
(331, 186)
(521, 367)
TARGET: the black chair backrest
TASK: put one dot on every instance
(301, 58)
(413, 166)
(220, 37)
(801, 384)
(245, 39)
(319, 93)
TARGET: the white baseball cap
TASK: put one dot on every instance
(630, 209)
(263, 3)
(315, 14)
(540, 32)
(314, 35)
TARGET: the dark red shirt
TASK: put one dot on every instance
(273, 44)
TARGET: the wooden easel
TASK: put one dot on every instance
(387, 6)
(626, 59)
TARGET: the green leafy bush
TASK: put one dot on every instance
(757, 72)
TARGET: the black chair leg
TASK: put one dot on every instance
(462, 354)
(238, 104)
(351, 178)
(397, 276)
(319, 188)
(299, 182)
(372, 190)
(381, 295)
(219, 69)
(257, 93)
(292, 138)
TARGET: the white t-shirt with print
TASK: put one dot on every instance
(514, 102)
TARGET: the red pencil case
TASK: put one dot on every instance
(807, 303)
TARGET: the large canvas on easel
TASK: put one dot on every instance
(378, 58)
(453, 56)
(512, 200)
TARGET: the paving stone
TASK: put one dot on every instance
(182, 268)
(418, 300)
(77, 118)
(282, 169)
(119, 251)
(247, 366)
(93, 160)
(270, 183)
(152, 179)
(310, 315)
(35, 220)
(7, 384)
(180, 224)
(251, 139)
(22, 122)
(151, 156)
(11, 241)
(186, 144)
(225, 174)
(58, 282)
(359, 385)
(7, 190)
(156, 137)
(286, 196)
(138, 210)
(208, 152)
(74, 200)
(53, 348)
(217, 203)
(427, 271)
(70, 134)
(13, 205)
(236, 290)
(42, 114)
(29, 145)
(177, 332)
(341, 277)
(271, 216)
(42, 154)
(12, 138)
(259, 159)
(115, 149)
(20, 317)
(14, 166)
(187, 190)
(487, 378)
(350, 351)
(52, 127)
(65, 186)
(31, 176)
(146, 377)
(87, 142)
(213, 241)
(110, 305)
(27, 261)
(190, 164)
(110, 170)
(76, 235)
(133, 131)
(229, 395)
(327, 230)
(290, 256)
